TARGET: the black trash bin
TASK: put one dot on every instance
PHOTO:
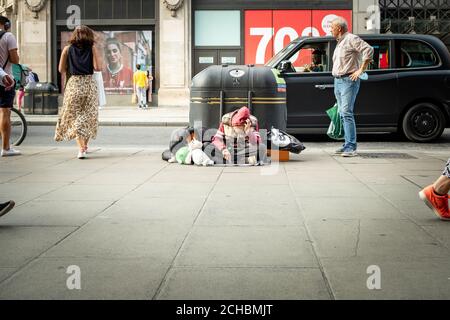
(218, 90)
(41, 98)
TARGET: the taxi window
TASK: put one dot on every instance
(312, 57)
(381, 57)
(415, 54)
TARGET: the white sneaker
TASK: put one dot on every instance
(81, 155)
(11, 152)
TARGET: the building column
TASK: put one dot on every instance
(366, 16)
(174, 56)
(34, 38)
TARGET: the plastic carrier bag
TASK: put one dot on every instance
(336, 128)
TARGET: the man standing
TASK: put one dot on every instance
(347, 69)
(8, 55)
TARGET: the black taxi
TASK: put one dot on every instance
(407, 90)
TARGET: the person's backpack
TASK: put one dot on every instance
(20, 75)
(36, 77)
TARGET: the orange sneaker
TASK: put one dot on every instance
(439, 204)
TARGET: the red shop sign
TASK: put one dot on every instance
(269, 31)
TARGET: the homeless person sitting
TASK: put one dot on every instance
(237, 140)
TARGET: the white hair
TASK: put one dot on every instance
(341, 22)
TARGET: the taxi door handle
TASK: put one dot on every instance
(324, 86)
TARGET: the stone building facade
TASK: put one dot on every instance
(173, 60)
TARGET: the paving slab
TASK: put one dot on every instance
(100, 192)
(246, 246)
(332, 190)
(54, 213)
(417, 211)
(176, 192)
(24, 192)
(323, 176)
(6, 272)
(393, 192)
(220, 211)
(417, 279)
(244, 284)
(374, 238)
(155, 209)
(252, 192)
(112, 279)
(19, 245)
(258, 178)
(105, 238)
(348, 208)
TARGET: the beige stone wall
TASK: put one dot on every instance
(174, 56)
(361, 16)
(33, 35)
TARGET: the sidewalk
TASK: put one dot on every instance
(140, 228)
(128, 116)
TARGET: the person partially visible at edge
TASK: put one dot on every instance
(117, 74)
(6, 207)
(8, 55)
(347, 69)
(237, 137)
(436, 196)
(79, 115)
(21, 91)
(140, 85)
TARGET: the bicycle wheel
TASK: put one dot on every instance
(18, 127)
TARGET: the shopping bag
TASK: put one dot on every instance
(336, 128)
(133, 99)
(101, 89)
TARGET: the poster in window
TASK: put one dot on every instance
(120, 51)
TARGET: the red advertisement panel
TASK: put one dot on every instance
(258, 36)
(268, 31)
(288, 25)
(321, 20)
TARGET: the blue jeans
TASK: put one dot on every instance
(346, 91)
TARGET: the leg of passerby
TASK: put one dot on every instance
(20, 95)
(337, 93)
(436, 195)
(6, 103)
(82, 148)
(6, 207)
(142, 97)
(348, 91)
(5, 130)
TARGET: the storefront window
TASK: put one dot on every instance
(217, 28)
(121, 51)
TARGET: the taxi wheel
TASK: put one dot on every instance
(424, 122)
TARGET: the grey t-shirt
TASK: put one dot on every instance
(7, 43)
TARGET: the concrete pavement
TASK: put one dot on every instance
(128, 116)
(140, 228)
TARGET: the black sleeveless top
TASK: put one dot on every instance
(81, 61)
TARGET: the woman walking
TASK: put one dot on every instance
(79, 117)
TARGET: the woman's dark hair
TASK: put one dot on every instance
(82, 36)
(138, 66)
(113, 41)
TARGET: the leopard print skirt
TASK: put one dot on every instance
(447, 169)
(79, 115)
